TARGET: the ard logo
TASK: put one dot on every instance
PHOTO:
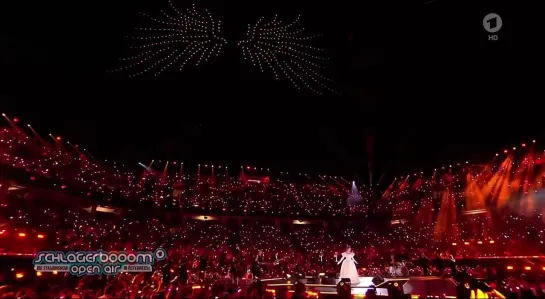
(492, 23)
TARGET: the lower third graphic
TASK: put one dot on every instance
(97, 262)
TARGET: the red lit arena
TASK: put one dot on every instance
(462, 230)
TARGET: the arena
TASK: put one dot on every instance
(460, 231)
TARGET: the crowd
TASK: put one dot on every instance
(201, 252)
(429, 223)
(210, 189)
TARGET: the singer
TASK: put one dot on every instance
(348, 266)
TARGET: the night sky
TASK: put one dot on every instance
(421, 78)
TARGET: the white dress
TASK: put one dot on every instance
(348, 268)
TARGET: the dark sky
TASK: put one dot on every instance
(421, 78)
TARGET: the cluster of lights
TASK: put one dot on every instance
(212, 191)
(197, 238)
(177, 39)
(75, 171)
(497, 200)
(285, 51)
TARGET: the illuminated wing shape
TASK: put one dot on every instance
(288, 53)
(173, 40)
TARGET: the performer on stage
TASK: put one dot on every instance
(452, 264)
(235, 270)
(202, 265)
(322, 261)
(260, 257)
(259, 264)
(424, 262)
(393, 265)
(182, 270)
(348, 266)
(439, 263)
(277, 258)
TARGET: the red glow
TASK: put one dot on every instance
(15, 119)
(22, 235)
(40, 236)
(58, 138)
(32, 178)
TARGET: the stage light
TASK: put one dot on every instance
(527, 268)
(22, 235)
(510, 268)
(19, 275)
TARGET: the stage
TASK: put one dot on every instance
(415, 287)
(316, 289)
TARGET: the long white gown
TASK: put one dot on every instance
(348, 268)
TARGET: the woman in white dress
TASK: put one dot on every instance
(348, 266)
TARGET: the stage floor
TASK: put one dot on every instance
(415, 286)
(366, 283)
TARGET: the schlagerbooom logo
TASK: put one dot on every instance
(99, 262)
